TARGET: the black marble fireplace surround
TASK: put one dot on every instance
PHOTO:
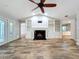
(40, 35)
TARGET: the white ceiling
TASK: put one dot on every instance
(19, 9)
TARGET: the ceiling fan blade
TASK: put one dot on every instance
(42, 9)
(42, 1)
(32, 1)
(49, 5)
(35, 8)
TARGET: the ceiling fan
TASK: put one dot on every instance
(41, 5)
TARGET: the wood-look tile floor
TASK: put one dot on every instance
(40, 49)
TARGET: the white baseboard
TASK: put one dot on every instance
(5, 42)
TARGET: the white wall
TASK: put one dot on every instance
(15, 34)
(35, 23)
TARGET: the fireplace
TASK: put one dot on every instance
(40, 35)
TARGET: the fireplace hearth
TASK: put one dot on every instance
(40, 35)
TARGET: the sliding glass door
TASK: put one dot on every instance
(11, 27)
(10, 30)
(1, 31)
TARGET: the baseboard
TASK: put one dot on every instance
(5, 42)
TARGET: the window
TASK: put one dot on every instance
(65, 27)
(23, 28)
(10, 30)
(57, 25)
(1, 31)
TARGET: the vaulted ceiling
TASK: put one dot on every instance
(19, 9)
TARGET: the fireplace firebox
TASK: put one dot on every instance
(40, 35)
